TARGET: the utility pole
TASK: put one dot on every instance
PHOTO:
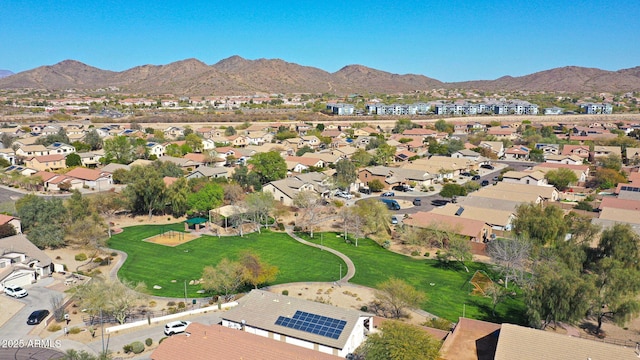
(185, 292)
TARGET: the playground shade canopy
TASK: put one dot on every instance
(196, 221)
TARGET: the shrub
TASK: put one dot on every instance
(137, 347)
(97, 260)
(439, 323)
(171, 303)
(427, 254)
(281, 226)
(81, 257)
(386, 244)
(114, 254)
(297, 228)
(415, 253)
(364, 308)
(148, 341)
(181, 305)
(285, 292)
(431, 188)
(74, 330)
(54, 327)
(153, 303)
(126, 348)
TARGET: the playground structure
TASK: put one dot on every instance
(480, 282)
(171, 237)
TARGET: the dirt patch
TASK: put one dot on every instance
(172, 238)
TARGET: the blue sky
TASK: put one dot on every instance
(447, 40)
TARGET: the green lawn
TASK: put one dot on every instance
(450, 295)
(156, 264)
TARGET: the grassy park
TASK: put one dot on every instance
(447, 286)
(169, 267)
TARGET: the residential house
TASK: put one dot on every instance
(61, 148)
(517, 152)
(21, 262)
(90, 159)
(9, 155)
(404, 155)
(277, 317)
(498, 219)
(553, 111)
(285, 190)
(230, 344)
(299, 163)
(582, 151)
(496, 147)
(173, 131)
(208, 145)
(156, 149)
(471, 340)
(391, 176)
(604, 151)
(238, 140)
(46, 162)
(442, 167)
(591, 108)
(501, 133)
(524, 343)
(209, 172)
(581, 171)
(113, 167)
(632, 155)
(474, 230)
(32, 150)
(467, 154)
(548, 149)
(13, 221)
(311, 141)
(91, 178)
(525, 177)
(547, 193)
(564, 159)
(184, 164)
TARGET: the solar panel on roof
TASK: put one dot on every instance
(314, 324)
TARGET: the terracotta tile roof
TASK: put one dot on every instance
(462, 226)
(45, 176)
(6, 218)
(611, 202)
(522, 343)
(47, 158)
(195, 157)
(219, 342)
(471, 340)
(168, 180)
(85, 174)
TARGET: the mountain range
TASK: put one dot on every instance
(236, 75)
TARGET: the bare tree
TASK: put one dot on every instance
(511, 256)
(259, 206)
(311, 206)
(110, 296)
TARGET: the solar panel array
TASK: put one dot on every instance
(314, 324)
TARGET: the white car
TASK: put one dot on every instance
(344, 195)
(176, 327)
(15, 291)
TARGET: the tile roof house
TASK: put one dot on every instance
(474, 230)
(564, 159)
(21, 262)
(46, 162)
(285, 190)
(523, 343)
(216, 342)
(579, 150)
(209, 172)
(91, 178)
(14, 221)
(517, 152)
(471, 340)
(324, 328)
(497, 219)
(581, 171)
(525, 177)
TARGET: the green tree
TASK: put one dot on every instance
(93, 139)
(375, 215)
(269, 166)
(259, 206)
(402, 125)
(114, 297)
(207, 197)
(229, 131)
(442, 126)
(399, 341)
(118, 149)
(375, 185)
(194, 142)
(173, 150)
(177, 197)
(605, 178)
(561, 178)
(42, 220)
(396, 295)
(146, 192)
(543, 225)
(616, 268)
(611, 161)
(450, 190)
(73, 160)
(361, 158)
(303, 150)
(345, 173)
(536, 155)
(384, 154)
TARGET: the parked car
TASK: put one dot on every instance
(399, 188)
(176, 327)
(439, 202)
(15, 291)
(484, 182)
(37, 316)
(394, 220)
(417, 202)
(495, 178)
(391, 204)
(466, 173)
(344, 195)
(388, 194)
(364, 190)
(475, 177)
(487, 166)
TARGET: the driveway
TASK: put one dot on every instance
(39, 297)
